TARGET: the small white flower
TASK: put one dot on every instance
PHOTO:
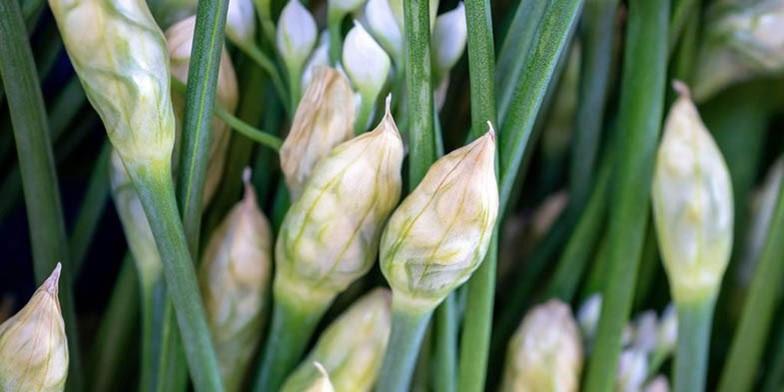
(296, 35)
(632, 369)
(668, 330)
(241, 22)
(382, 24)
(365, 62)
(449, 39)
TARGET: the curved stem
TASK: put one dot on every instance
(261, 59)
(691, 356)
(408, 329)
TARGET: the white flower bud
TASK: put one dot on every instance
(588, 316)
(632, 369)
(324, 119)
(120, 56)
(319, 58)
(545, 353)
(440, 233)
(241, 23)
(658, 384)
(329, 236)
(382, 24)
(296, 35)
(339, 8)
(33, 345)
(667, 333)
(365, 62)
(645, 332)
(692, 204)
(449, 40)
(322, 383)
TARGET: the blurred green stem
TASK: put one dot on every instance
(775, 375)
(408, 329)
(691, 356)
(92, 208)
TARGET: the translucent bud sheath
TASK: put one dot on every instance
(241, 23)
(324, 119)
(179, 40)
(330, 235)
(545, 354)
(449, 40)
(235, 277)
(351, 349)
(33, 345)
(120, 56)
(692, 205)
(440, 233)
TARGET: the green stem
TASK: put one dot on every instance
(36, 163)
(149, 356)
(92, 209)
(683, 9)
(640, 114)
(445, 323)
(261, 59)
(295, 87)
(156, 192)
(775, 375)
(761, 301)
(366, 106)
(334, 22)
(691, 356)
(408, 329)
(291, 327)
(172, 375)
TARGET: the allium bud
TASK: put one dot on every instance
(33, 345)
(645, 332)
(120, 56)
(324, 119)
(658, 384)
(179, 39)
(241, 23)
(138, 233)
(667, 332)
(321, 383)
(329, 237)
(545, 353)
(692, 204)
(235, 275)
(449, 40)
(352, 348)
(632, 369)
(382, 24)
(296, 35)
(365, 62)
(440, 233)
(588, 316)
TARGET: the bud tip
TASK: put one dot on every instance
(52, 282)
(681, 88)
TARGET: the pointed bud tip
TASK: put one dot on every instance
(681, 88)
(490, 130)
(51, 283)
(320, 368)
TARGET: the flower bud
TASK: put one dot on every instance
(449, 40)
(667, 332)
(234, 276)
(138, 233)
(321, 383)
(382, 24)
(632, 369)
(440, 233)
(241, 23)
(645, 332)
(319, 58)
(179, 39)
(692, 204)
(658, 384)
(545, 353)
(329, 236)
(339, 8)
(296, 35)
(120, 56)
(352, 348)
(365, 63)
(588, 316)
(324, 118)
(33, 345)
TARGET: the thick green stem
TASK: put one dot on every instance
(408, 329)
(691, 356)
(445, 323)
(640, 115)
(156, 192)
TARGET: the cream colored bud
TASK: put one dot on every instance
(120, 56)
(692, 204)
(33, 345)
(667, 332)
(241, 23)
(440, 233)
(658, 384)
(324, 119)
(382, 24)
(136, 227)
(352, 348)
(235, 279)
(179, 39)
(296, 35)
(365, 62)
(632, 369)
(545, 353)
(329, 236)
(449, 40)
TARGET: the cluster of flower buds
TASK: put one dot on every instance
(741, 40)
(692, 205)
(33, 345)
(545, 353)
(352, 348)
(235, 278)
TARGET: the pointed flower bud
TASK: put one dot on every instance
(692, 204)
(324, 119)
(545, 354)
(179, 39)
(365, 63)
(645, 332)
(658, 384)
(352, 348)
(449, 40)
(319, 58)
(440, 233)
(138, 233)
(33, 345)
(234, 276)
(382, 24)
(632, 369)
(296, 36)
(241, 23)
(120, 56)
(667, 331)
(330, 235)
(321, 383)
